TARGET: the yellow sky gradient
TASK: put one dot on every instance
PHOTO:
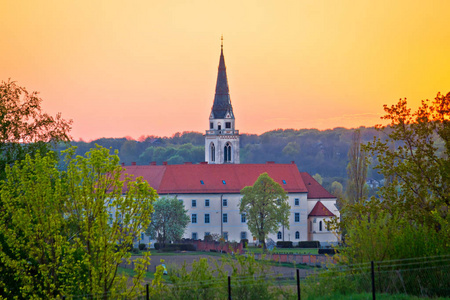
(133, 68)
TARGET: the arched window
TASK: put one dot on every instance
(297, 235)
(213, 152)
(320, 226)
(279, 235)
(227, 152)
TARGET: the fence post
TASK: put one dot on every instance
(298, 285)
(373, 280)
(229, 287)
(147, 294)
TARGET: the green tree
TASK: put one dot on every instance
(338, 191)
(266, 207)
(291, 149)
(318, 178)
(66, 232)
(36, 248)
(414, 156)
(357, 190)
(410, 215)
(24, 128)
(169, 220)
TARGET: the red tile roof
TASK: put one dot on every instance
(315, 190)
(320, 210)
(188, 178)
(152, 173)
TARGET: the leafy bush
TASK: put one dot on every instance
(142, 247)
(244, 242)
(284, 244)
(309, 244)
(328, 251)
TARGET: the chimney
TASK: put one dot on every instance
(164, 163)
(292, 162)
(123, 164)
(133, 163)
(203, 162)
(270, 162)
(153, 163)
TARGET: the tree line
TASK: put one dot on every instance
(314, 151)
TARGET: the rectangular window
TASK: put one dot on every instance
(296, 202)
(206, 218)
(228, 125)
(297, 217)
(243, 219)
(142, 236)
(224, 202)
(225, 218)
(225, 236)
(206, 202)
(243, 235)
(194, 219)
(207, 234)
(194, 203)
(194, 235)
(211, 125)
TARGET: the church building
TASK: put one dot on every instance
(211, 189)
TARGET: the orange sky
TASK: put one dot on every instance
(132, 68)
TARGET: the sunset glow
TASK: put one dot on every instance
(133, 68)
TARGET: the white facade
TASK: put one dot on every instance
(219, 214)
(317, 225)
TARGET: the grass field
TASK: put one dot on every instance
(311, 251)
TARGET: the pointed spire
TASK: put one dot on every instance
(222, 101)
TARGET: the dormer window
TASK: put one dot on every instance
(228, 125)
(201, 181)
(211, 125)
(284, 181)
(219, 127)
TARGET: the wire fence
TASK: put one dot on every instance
(423, 277)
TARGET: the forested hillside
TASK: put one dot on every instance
(314, 151)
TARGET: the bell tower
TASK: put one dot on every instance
(222, 140)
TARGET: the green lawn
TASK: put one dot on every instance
(154, 252)
(311, 251)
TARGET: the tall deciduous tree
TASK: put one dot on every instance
(169, 220)
(266, 207)
(66, 232)
(357, 190)
(24, 128)
(419, 165)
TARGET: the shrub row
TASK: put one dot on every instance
(330, 251)
(284, 244)
(175, 247)
(309, 244)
